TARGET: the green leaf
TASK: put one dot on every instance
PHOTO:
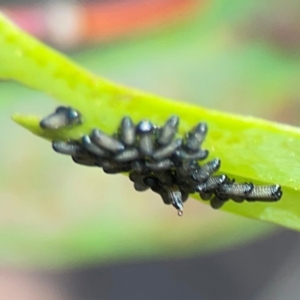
(250, 149)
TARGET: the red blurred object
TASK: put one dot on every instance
(67, 23)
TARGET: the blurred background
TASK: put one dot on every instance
(71, 232)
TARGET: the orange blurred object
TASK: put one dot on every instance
(68, 23)
(111, 20)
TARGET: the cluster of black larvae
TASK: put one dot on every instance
(157, 159)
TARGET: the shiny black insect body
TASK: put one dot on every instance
(68, 148)
(106, 142)
(127, 132)
(61, 118)
(167, 132)
(145, 133)
(157, 159)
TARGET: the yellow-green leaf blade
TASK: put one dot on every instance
(250, 149)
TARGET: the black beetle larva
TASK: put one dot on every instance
(170, 195)
(106, 142)
(173, 195)
(199, 155)
(168, 131)
(127, 155)
(145, 131)
(157, 159)
(184, 196)
(165, 178)
(127, 132)
(138, 181)
(85, 160)
(135, 176)
(167, 151)
(140, 187)
(265, 193)
(91, 147)
(153, 183)
(206, 195)
(235, 191)
(139, 166)
(111, 167)
(211, 184)
(203, 172)
(186, 168)
(195, 137)
(216, 202)
(62, 117)
(204, 187)
(165, 164)
(68, 148)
